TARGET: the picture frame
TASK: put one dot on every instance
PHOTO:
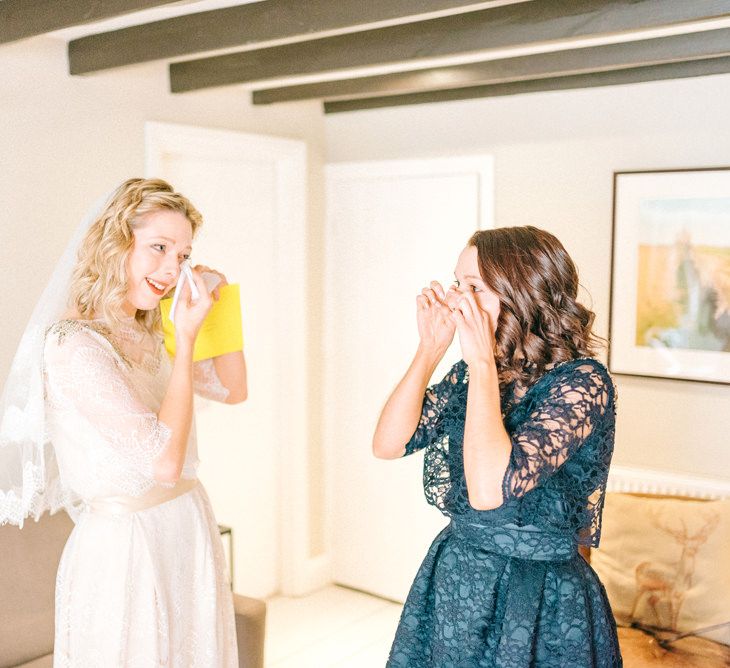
(670, 274)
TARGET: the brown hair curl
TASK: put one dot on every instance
(540, 322)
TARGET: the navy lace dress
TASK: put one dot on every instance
(506, 588)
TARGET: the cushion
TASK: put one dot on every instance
(665, 562)
(250, 630)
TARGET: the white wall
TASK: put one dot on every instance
(65, 141)
(554, 158)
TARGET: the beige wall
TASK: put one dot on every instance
(554, 158)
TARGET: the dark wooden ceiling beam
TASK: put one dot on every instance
(692, 68)
(515, 25)
(624, 55)
(240, 26)
(25, 18)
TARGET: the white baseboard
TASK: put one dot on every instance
(651, 481)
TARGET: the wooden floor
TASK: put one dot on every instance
(333, 627)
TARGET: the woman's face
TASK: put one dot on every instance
(468, 279)
(162, 242)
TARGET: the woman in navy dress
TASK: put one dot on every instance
(518, 439)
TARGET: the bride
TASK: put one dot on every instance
(142, 580)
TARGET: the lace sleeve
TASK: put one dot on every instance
(434, 401)
(565, 414)
(88, 386)
(206, 382)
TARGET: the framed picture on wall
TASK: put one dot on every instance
(670, 282)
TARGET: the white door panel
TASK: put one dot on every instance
(392, 228)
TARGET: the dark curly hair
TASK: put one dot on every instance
(540, 322)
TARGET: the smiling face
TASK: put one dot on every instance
(162, 241)
(468, 279)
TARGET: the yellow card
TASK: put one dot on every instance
(221, 331)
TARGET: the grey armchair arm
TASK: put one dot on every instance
(250, 630)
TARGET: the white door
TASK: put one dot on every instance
(250, 190)
(392, 227)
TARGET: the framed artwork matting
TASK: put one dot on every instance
(670, 274)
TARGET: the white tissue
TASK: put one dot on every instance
(211, 281)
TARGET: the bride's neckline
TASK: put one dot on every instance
(127, 328)
(129, 321)
(72, 316)
(130, 340)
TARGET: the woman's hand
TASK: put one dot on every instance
(190, 314)
(436, 328)
(476, 331)
(223, 280)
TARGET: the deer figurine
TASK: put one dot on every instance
(659, 585)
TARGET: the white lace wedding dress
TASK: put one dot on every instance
(142, 580)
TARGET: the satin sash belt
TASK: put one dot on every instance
(123, 505)
(526, 542)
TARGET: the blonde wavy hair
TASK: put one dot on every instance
(99, 281)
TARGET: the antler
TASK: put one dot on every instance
(711, 522)
(681, 536)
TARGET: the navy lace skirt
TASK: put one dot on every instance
(529, 600)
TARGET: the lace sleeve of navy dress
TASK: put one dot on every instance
(568, 408)
(435, 401)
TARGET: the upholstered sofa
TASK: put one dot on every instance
(645, 507)
(28, 562)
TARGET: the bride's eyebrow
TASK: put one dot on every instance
(172, 241)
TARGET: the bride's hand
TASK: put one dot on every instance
(435, 326)
(223, 280)
(190, 314)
